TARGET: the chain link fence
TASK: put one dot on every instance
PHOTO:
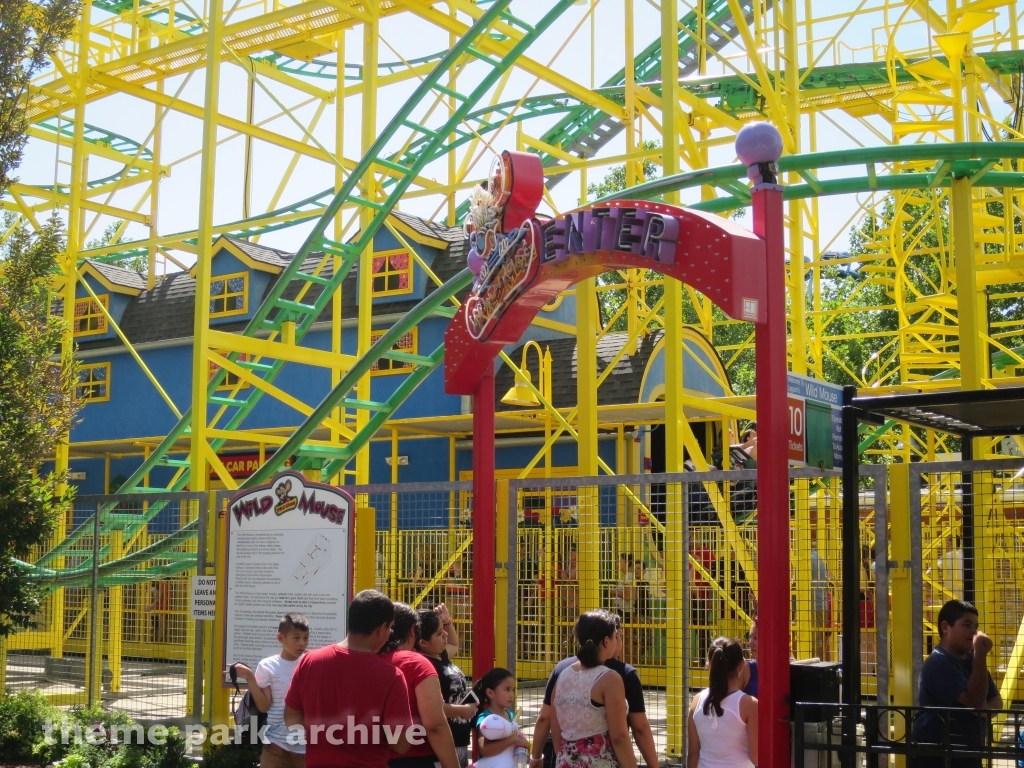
(675, 556)
(115, 628)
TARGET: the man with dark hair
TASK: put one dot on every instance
(544, 753)
(352, 705)
(956, 676)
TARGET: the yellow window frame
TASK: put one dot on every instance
(409, 342)
(227, 295)
(86, 388)
(389, 274)
(87, 312)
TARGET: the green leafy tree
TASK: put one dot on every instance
(32, 32)
(36, 394)
(36, 411)
(726, 333)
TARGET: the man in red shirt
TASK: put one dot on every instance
(353, 705)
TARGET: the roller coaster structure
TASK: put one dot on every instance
(925, 116)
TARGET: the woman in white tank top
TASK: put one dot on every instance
(588, 723)
(723, 719)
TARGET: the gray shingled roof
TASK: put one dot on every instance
(621, 386)
(167, 311)
(261, 253)
(430, 228)
(119, 275)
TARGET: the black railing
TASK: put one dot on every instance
(877, 732)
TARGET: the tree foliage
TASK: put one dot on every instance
(30, 32)
(112, 235)
(741, 372)
(36, 392)
(36, 410)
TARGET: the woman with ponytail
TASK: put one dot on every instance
(589, 728)
(425, 700)
(723, 720)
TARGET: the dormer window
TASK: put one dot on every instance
(89, 317)
(392, 273)
(229, 294)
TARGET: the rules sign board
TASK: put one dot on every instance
(289, 549)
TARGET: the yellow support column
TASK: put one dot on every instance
(791, 86)
(969, 301)
(675, 536)
(501, 547)
(69, 268)
(338, 414)
(200, 474)
(154, 191)
(115, 617)
(369, 134)
(366, 543)
(805, 628)
(216, 702)
(589, 552)
(902, 625)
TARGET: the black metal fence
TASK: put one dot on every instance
(837, 736)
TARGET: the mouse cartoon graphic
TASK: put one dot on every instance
(285, 502)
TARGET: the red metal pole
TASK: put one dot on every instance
(483, 524)
(772, 491)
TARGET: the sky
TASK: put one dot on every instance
(406, 37)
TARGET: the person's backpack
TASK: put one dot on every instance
(243, 708)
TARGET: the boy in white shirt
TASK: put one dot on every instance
(269, 684)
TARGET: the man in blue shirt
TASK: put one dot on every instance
(956, 676)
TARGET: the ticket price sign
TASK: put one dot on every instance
(797, 433)
(289, 549)
(815, 422)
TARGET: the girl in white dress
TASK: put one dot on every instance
(588, 723)
(723, 720)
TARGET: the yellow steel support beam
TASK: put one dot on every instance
(371, 37)
(675, 540)
(234, 124)
(115, 615)
(587, 458)
(277, 350)
(129, 347)
(83, 203)
(973, 366)
(902, 628)
(96, 149)
(198, 452)
(278, 394)
(424, 9)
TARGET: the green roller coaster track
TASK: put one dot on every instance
(582, 130)
(732, 94)
(970, 160)
(321, 282)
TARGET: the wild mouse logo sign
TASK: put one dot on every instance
(285, 503)
(504, 238)
(292, 492)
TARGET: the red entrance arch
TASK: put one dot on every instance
(522, 266)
